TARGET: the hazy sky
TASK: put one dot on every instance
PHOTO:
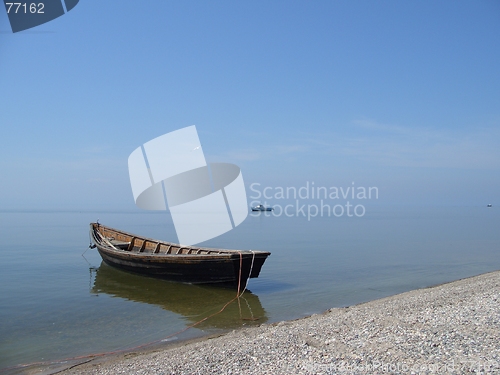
(402, 95)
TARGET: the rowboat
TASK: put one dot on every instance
(191, 264)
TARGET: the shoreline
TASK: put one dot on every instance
(446, 328)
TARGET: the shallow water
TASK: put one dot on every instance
(56, 303)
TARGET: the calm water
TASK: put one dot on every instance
(57, 303)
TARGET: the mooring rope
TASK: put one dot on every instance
(250, 273)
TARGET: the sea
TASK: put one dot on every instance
(59, 301)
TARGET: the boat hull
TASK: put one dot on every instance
(184, 264)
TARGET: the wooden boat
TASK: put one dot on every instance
(173, 261)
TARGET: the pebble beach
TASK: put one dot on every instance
(452, 328)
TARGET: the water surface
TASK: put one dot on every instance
(56, 303)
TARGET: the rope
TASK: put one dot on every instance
(91, 244)
(250, 273)
(105, 240)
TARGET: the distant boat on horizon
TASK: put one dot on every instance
(262, 208)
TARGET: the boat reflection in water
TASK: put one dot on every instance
(192, 302)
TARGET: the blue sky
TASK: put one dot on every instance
(404, 96)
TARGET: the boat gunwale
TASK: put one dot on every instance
(223, 253)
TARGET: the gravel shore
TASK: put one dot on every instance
(450, 329)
